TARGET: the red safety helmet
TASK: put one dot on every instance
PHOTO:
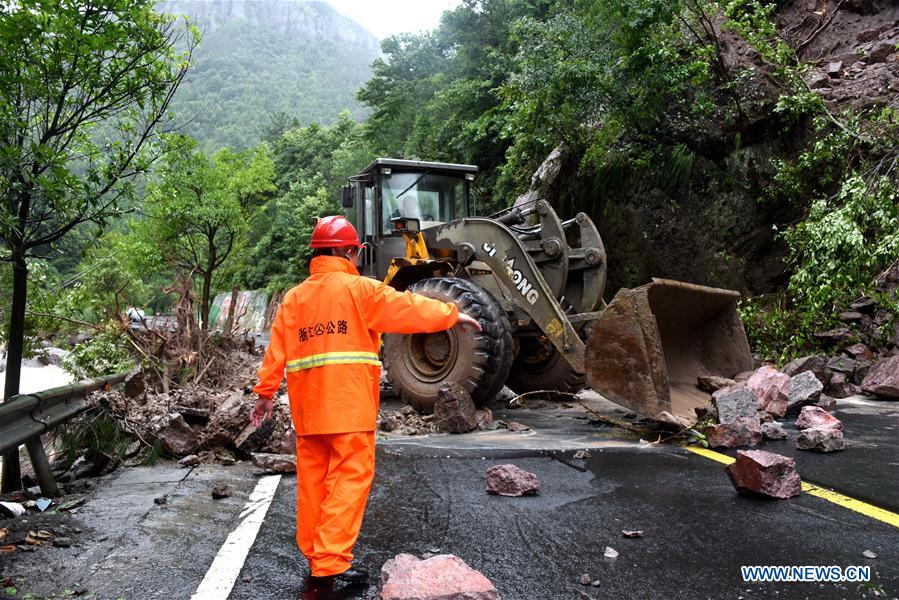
(334, 232)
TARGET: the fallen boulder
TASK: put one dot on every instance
(441, 577)
(805, 389)
(771, 388)
(454, 411)
(509, 480)
(812, 417)
(275, 463)
(815, 363)
(761, 473)
(841, 387)
(842, 364)
(712, 383)
(883, 379)
(745, 431)
(175, 435)
(735, 402)
(860, 352)
(774, 431)
(826, 402)
(821, 440)
(135, 384)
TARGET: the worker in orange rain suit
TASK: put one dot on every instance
(326, 336)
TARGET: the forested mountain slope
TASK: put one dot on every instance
(260, 58)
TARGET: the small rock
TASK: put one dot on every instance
(869, 554)
(818, 80)
(835, 336)
(513, 426)
(766, 474)
(581, 455)
(771, 388)
(596, 583)
(135, 385)
(509, 480)
(634, 533)
(861, 372)
(62, 542)
(712, 383)
(880, 51)
(816, 417)
(805, 389)
(454, 411)
(191, 460)
(842, 364)
(441, 577)
(585, 579)
(835, 69)
(610, 552)
(826, 402)
(865, 304)
(859, 352)
(774, 431)
(175, 434)
(735, 403)
(820, 440)
(388, 421)
(275, 463)
(484, 417)
(743, 432)
(741, 377)
(160, 500)
(815, 363)
(850, 316)
(841, 387)
(765, 417)
(221, 490)
(883, 379)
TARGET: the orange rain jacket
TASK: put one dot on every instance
(325, 335)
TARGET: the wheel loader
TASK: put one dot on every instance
(536, 284)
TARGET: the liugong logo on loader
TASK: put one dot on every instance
(522, 284)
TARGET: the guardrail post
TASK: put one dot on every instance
(41, 467)
(12, 475)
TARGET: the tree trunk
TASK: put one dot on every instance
(11, 474)
(204, 302)
(232, 311)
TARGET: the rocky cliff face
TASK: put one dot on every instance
(716, 231)
(306, 19)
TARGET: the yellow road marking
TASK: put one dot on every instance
(863, 508)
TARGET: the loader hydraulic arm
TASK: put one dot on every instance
(494, 244)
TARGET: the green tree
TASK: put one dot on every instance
(199, 210)
(312, 164)
(83, 87)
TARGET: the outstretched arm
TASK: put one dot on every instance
(389, 311)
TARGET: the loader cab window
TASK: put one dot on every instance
(431, 198)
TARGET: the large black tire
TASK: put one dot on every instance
(418, 364)
(539, 366)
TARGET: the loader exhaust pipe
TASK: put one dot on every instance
(651, 343)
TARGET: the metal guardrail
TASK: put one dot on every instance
(24, 418)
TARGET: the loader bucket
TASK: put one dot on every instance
(651, 343)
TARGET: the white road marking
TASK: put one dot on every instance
(223, 572)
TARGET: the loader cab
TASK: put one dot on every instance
(429, 192)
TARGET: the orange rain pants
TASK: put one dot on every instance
(326, 337)
(334, 475)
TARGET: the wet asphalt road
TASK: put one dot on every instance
(698, 531)
(429, 497)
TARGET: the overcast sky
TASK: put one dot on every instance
(386, 17)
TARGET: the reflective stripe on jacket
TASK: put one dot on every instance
(326, 336)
